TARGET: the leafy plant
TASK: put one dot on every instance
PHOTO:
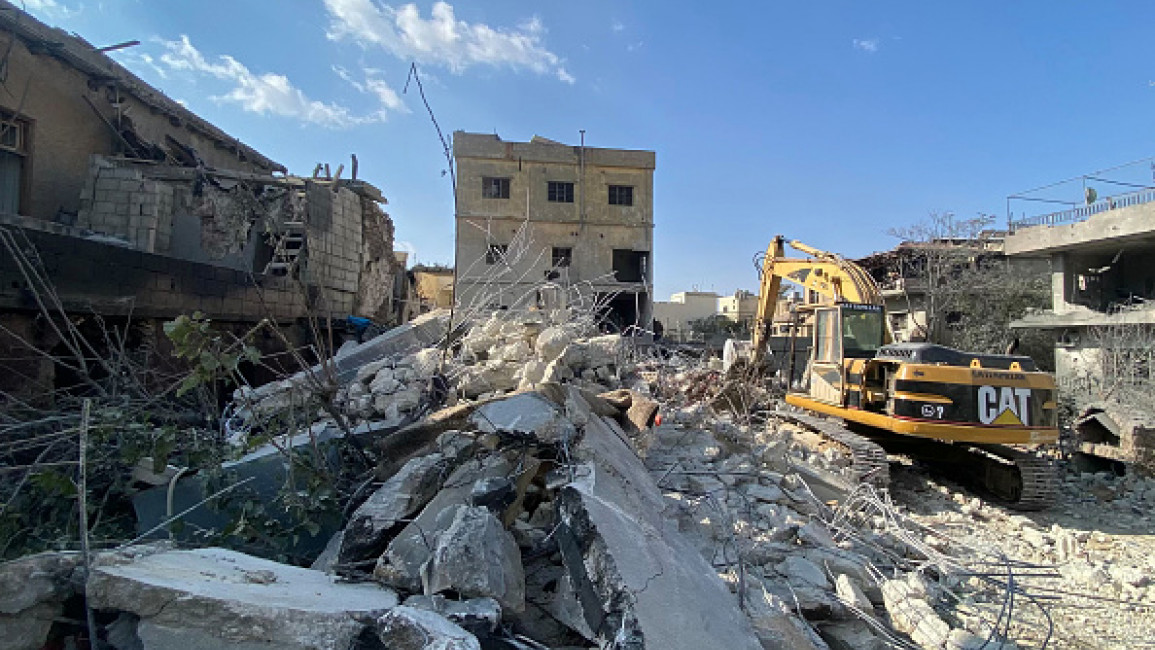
(212, 357)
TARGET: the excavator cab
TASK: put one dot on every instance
(842, 332)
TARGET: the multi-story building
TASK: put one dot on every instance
(682, 309)
(1102, 287)
(536, 212)
(1102, 317)
(740, 307)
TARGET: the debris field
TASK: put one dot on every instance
(541, 486)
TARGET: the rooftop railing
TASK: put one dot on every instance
(1083, 212)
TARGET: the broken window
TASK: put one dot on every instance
(494, 188)
(562, 257)
(560, 192)
(631, 266)
(14, 149)
(621, 195)
(496, 253)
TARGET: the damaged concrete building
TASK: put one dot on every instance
(135, 205)
(530, 211)
(1102, 315)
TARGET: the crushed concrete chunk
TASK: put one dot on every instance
(368, 531)
(528, 413)
(410, 549)
(477, 557)
(640, 583)
(478, 616)
(776, 626)
(205, 599)
(408, 628)
(912, 615)
(35, 579)
(850, 635)
(799, 570)
(851, 594)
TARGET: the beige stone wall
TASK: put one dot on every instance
(379, 268)
(532, 226)
(334, 244)
(120, 202)
(434, 289)
(65, 130)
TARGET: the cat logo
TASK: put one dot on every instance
(1004, 405)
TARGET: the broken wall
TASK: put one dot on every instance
(379, 267)
(213, 217)
(67, 84)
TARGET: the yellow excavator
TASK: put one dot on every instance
(954, 409)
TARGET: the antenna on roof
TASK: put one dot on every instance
(118, 46)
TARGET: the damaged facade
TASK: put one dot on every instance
(1103, 317)
(136, 205)
(538, 210)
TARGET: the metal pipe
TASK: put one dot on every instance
(582, 179)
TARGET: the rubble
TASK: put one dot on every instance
(368, 530)
(561, 513)
(407, 628)
(476, 557)
(33, 591)
(217, 598)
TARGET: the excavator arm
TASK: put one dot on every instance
(828, 274)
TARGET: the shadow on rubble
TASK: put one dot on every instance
(1089, 502)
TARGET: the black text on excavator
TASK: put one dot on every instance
(956, 409)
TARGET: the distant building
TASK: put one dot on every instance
(683, 308)
(434, 287)
(740, 307)
(902, 278)
(1102, 318)
(530, 212)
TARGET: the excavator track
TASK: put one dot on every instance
(868, 459)
(1025, 481)
(1018, 478)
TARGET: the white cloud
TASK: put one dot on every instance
(442, 39)
(866, 45)
(617, 26)
(374, 85)
(51, 8)
(274, 94)
(634, 47)
(133, 59)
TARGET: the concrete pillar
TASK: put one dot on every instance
(1059, 283)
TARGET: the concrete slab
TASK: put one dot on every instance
(217, 598)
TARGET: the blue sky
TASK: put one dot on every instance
(829, 122)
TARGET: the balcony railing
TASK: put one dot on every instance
(1083, 212)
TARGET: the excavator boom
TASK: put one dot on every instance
(830, 275)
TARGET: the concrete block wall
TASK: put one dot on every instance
(118, 201)
(117, 280)
(336, 245)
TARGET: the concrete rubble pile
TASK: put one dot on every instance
(526, 496)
